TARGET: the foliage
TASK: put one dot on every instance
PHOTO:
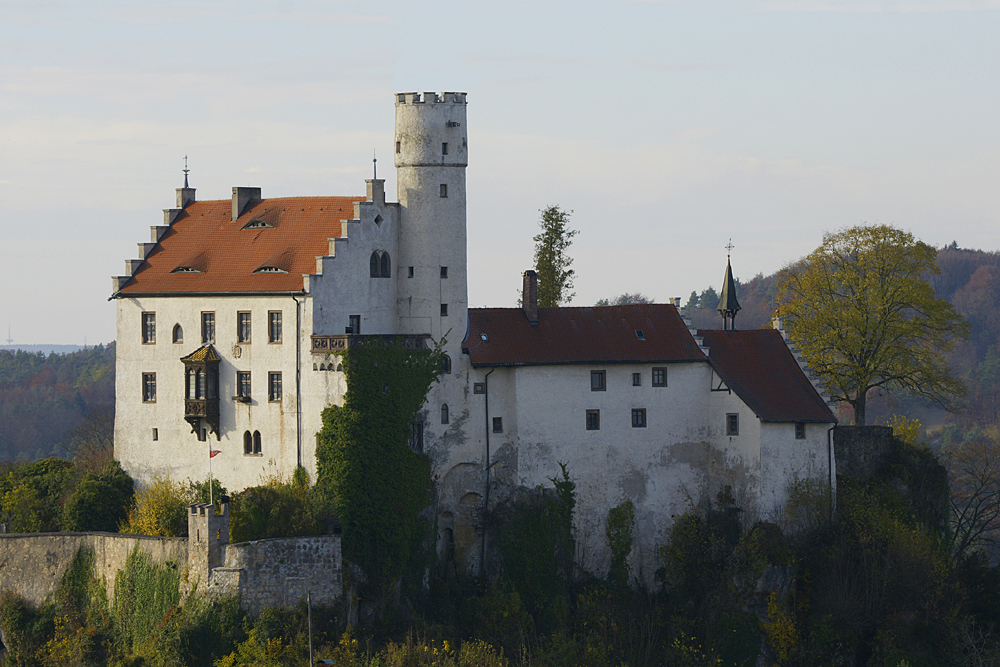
(160, 509)
(373, 481)
(144, 593)
(44, 398)
(555, 278)
(626, 299)
(808, 507)
(31, 495)
(620, 529)
(277, 509)
(91, 444)
(100, 502)
(865, 316)
(202, 493)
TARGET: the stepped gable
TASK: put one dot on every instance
(599, 334)
(267, 249)
(758, 366)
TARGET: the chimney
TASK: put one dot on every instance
(376, 190)
(529, 296)
(242, 196)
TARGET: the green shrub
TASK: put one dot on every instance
(160, 509)
(100, 502)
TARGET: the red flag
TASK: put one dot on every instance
(212, 453)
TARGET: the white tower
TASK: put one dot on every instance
(431, 150)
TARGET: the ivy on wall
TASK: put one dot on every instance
(374, 481)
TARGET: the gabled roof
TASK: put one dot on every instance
(205, 251)
(758, 366)
(600, 334)
(204, 353)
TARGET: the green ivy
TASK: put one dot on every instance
(621, 526)
(374, 482)
(144, 593)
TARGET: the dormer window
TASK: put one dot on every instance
(186, 269)
(270, 269)
(257, 224)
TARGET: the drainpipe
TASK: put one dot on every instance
(829, 466)
(486, 496)
(298, 380)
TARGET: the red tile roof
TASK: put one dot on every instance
(758, 366)
(224, 255)
(601, 334)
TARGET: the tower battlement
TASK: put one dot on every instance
(430, 98)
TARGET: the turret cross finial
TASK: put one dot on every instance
(729, 247)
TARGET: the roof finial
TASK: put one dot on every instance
(186, 170)
(729, 248)
(374, 166)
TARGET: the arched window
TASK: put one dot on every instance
(373, 265)
(178, 336)
(386, 266)
(201, 385)
(444, 413)
(446, 364)
(256, 442)
(247, 443)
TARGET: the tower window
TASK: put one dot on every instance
(444, 148)
(409, 272)
(593, 420)
(156, 434)
(444, 271)
(149, 328)
(598, 381)
(444, 310)
(444, 189)
(398, 147)
(149, 387)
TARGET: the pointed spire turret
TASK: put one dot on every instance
(728, 303)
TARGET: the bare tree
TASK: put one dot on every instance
(91, 444)
(974, 477)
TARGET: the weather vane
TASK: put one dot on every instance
(186, 170)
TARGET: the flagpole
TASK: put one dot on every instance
(211, 497)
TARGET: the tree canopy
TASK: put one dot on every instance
(865, 316)
(555, 278)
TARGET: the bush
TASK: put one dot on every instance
(160, 509)
(100, 502)
(275, 509)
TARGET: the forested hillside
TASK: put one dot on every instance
(43, 398)
(969, 279)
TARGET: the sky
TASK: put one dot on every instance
(667, 127)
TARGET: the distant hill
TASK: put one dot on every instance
(43, 397)
(44, 349)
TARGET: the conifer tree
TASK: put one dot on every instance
(555, 278)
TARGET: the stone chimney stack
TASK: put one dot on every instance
(376, 190)
(529, 296)
(241, 197)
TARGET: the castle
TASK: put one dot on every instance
(230, 319)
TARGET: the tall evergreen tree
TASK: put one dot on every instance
(555, 278)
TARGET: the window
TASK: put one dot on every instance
(148, 328)
(149, 387)
(444, 271)
(373, 265)
(243, 327)
(399, 147)
(444, 190)
(208, 327)
(256, 443)
(247, 443)
(156, 434)
(597, 381)
(638, 417)
(444, 413)
(498, 424)
(479, 388)
(274, 326)
(274, 386)
(354, 322)
(178, 335)
(659, 377)
(593, 420)
(636, 379)
(417, 437)
(732, 424)
(385, 266)
(444, 310)
(800, 430)
(640, 335)
(446, 364)
(409, 272)
(444, 148)
(243, 384)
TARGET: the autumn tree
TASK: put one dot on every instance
(862, 311)
(555, 278)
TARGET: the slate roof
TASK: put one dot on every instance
(758, 366)
(221, 256)
(599, 334)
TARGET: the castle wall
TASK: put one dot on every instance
(32, 564)
(786, 459)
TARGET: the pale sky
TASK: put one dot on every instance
(667, 127)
